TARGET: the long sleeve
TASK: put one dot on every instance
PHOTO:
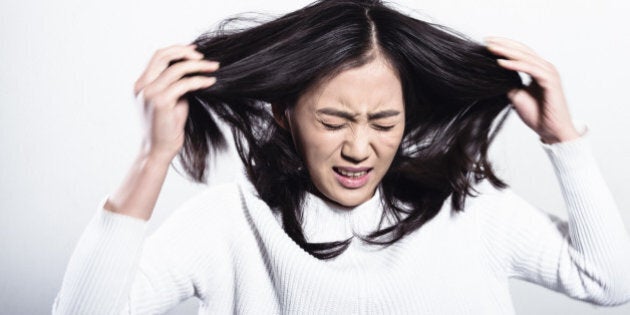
(100, 271)
(117, 269)
(585, 257)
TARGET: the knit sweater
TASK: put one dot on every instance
(226, 248)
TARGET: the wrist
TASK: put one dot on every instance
(155, 156)
(138, 193)
(155, 159)
(568, 135)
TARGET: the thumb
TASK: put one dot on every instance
(526, 106)
(180, 111)
(522, 100)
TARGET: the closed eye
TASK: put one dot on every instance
(383, 128)
(332, 126)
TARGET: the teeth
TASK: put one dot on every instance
(352, 174)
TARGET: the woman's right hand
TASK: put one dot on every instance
(159, 90)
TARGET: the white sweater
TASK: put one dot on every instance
(225, 247)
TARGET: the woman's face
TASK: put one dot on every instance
(348, 131)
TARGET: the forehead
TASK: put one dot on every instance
(373, 86)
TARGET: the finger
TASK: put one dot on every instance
(169, 97)
(509, 42)
(541, 75)
(178, 70)
(160, 60)
(521, 96)
(518, 54)
(523, 102)
(511, 46)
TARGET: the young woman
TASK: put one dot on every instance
(362, 132)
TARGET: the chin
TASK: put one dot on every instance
(351, 199)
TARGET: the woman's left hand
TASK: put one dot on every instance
(541, 105)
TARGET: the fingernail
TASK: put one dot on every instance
(512, 92)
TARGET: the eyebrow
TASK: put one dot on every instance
(350, 116)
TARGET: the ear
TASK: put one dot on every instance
(280, 116)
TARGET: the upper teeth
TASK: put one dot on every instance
(352, 174)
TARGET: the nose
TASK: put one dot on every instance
(356, 147)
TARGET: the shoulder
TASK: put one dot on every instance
(486, 196)
(195, 239)
(489, 196)
(504, 208)
(213, 210)
(214, 198)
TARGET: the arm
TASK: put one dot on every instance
(117, 269)
(104, 263)
(99, 273)
(137, 195)
(585, 257)
(111, 254)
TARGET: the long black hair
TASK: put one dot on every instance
(454, 92)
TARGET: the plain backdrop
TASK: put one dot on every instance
(70, 127)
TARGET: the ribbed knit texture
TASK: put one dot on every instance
(225, 247)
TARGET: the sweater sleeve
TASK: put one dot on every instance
(585, 257)
(117, 269)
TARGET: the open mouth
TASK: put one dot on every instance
(349, 173)
(350, 177)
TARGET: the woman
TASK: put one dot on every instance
(357, 177)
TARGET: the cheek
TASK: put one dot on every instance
(318, 147)
(389, 142)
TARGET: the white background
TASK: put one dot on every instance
(70, 127)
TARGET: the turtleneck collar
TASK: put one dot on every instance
(325, 221)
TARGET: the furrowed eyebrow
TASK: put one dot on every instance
(383, 114)
(352, 117)
(336, 112)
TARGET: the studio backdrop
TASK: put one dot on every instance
(71, 128)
